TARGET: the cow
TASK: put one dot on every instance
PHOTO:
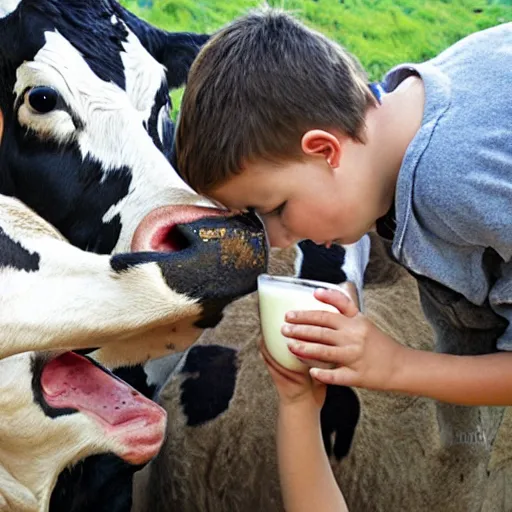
(102, 245)
(86, 136)
(388, 451)
(58, 408)
(56, 296)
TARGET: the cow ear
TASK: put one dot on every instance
(175, 51)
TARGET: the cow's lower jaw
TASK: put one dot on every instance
(137, 425)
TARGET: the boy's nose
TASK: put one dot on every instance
(277, 235)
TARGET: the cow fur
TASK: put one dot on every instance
(388, 451)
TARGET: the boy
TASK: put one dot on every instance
(277, 118)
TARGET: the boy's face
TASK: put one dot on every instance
(306, 199)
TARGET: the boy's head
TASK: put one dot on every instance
(268, 103)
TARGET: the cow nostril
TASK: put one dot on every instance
(43, 99)
(170, 239)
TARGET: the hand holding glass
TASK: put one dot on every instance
(277, 296)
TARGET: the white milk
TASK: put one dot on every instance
(277, 296)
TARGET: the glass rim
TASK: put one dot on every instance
(298, 282)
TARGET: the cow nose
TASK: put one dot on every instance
(206, 254)
(222, 262)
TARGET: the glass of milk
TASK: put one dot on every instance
(277, 296)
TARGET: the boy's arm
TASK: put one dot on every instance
(307, 481)
(364, 356)
(465, 380)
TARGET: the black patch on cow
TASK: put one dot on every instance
(70, 193)
(338, 418)
(137, 378)
(341, 410)
(13, 255)
(210, 383)
(321, 263)
(164, 144)
(37, 366)
(101, 483)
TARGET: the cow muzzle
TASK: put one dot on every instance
(206, 253)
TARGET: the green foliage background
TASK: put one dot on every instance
(381, 33)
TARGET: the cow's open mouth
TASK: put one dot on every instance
(74, 383)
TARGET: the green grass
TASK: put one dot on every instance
(381, 33)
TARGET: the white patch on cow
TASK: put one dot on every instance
(163, 115)
(356, 260)
(114, 20)
(7, 7)
(299, 259)
(357, 256)
(144, 75)
(111, 120)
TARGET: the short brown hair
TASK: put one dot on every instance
(255, 88)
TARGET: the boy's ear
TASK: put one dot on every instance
(321, 142)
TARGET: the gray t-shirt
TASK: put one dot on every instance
(454, 192)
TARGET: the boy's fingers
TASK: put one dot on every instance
(311, 333)
(321, 318)
(343, 376)
(339, 300)
(325, 353)
(322, 353)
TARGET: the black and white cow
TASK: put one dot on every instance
(85, 143)
(86, 140)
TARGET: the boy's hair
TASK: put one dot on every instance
(255, 88)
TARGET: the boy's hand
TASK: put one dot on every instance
(293, 387)
(362, 354)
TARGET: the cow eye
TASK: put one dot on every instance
(43, 99)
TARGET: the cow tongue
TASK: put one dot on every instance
(72, 381)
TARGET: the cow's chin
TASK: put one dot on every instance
(160, 230)
(136, 424)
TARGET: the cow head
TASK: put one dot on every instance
(57, 410)
(87, 140)
(86, 109)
